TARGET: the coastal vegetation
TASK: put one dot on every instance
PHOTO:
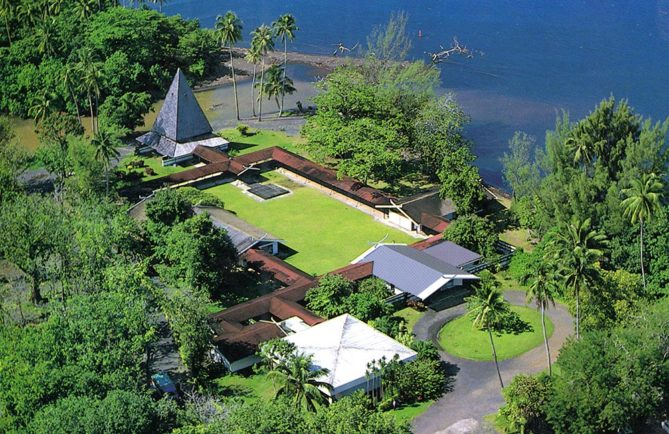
(93, 301)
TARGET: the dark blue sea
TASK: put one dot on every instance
(539, 57)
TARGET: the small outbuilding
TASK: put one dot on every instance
(345, 346)
(242, 234)
(180, 127)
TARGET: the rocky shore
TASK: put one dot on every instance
(244, 69)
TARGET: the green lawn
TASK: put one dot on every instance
(246, 388)
(154, 163)
(460, 338)
(240, 145)
(409, 412)
(325, 233)
(257, 386)
(410, 315)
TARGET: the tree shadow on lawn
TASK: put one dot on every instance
(513, 324)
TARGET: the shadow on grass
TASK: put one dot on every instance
(514, 325)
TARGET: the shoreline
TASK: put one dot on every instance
(244, 69)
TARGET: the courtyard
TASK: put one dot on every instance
(324, 233)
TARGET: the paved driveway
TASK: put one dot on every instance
(476, 391)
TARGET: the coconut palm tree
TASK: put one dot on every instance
(229, 32)
(284, 29)
(542, 290)
(7, 8)
(578, 247)
(642, 203)
(105, 143)
(277, 84)
(488, 309)
(262, 42)
(580, 149)
(90, 72)
(72, 82)
(252, 56)
(297, 378)
(40, 107)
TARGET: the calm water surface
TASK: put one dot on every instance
(539, 56)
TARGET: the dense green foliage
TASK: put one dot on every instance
(380, 120)
(80, 56)
(525, 399)
(93, 345)
(335, 295)
(609, 381)
(587, 170)
(475, 233)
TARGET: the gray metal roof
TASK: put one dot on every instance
(243, 235)
(428, 203)
(452, 253)
(181, 118)
(411, 270)
(169, 148)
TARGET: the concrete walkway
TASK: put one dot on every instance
(476, 392)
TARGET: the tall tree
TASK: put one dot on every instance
(106, 143)
(71, 80)
(643, 202)
(253, 57)
(229, 32)
(461, 181)
(90, 72)
(7, 9)
(277, 84)
(29, 226)
(541, 290)
(488, 309)
(299, 379)
(262, 42)
(284, 29)
(578, 247)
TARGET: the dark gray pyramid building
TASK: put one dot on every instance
(181, 125)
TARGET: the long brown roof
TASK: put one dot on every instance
(220, 163)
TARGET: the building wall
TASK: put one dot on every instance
(400, 220)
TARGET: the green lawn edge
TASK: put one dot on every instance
(459, 338)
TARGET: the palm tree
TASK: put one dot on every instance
(262, 42)
(488, 308)
(105, 143)
(284, 29)
(252, 56)
(71, 81)
(7, 8)
(642, 204)
(542, 289)
(90, 73)
(40, 107)
(229, 32)
(277, 84)
(299, 379)
(578, 248)
(580, 149)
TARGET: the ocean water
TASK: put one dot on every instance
(539, 56)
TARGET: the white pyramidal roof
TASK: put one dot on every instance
(345, 345)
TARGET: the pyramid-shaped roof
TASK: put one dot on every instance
(345, 345)
(181, 118)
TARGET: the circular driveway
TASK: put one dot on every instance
(476, 392)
